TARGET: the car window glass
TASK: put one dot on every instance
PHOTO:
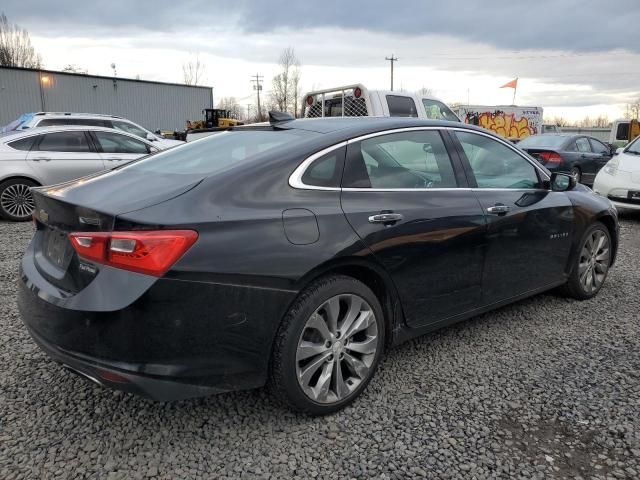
(622, 132)
(495, 165)
(129, 128)
(438, 111)
(23, 143)
(401, 106)
(71, 121)
(582, 144)
(400, 160)
(598, 147)
(325, 171)
(64, 142)
(115, 143)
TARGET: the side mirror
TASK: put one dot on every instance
(151, 137)
(562, 182)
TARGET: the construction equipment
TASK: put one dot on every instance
(214, 118)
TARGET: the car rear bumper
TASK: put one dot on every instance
(179, 339)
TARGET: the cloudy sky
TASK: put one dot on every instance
(573, 57)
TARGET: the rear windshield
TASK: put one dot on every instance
(217, 153)
(542, 141)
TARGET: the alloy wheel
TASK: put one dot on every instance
(17, 200)
(337, 348)
(595, 258)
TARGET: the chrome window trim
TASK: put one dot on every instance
(295, 179)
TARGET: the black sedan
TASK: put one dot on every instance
(294, 253)
(581, 156)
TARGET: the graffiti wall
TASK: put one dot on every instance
(507, 122)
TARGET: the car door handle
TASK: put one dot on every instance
(113, 159)
(38, 159)
(498, 209)
(386, 218)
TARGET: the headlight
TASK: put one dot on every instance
(611, 167)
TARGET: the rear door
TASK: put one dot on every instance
(62, 156)
(529, 228)
(589, 164)
(117, 149)
(403, 193)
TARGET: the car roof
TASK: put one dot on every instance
(74, 114)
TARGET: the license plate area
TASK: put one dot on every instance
(57, 248)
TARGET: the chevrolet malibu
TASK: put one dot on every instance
(294, 253)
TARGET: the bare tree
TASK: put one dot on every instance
(193, 71)
(15, 46)
(632, 110)
(231, 104)
(425, 92)
(560, 122)
(285, 86)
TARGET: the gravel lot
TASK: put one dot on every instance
(546, 388)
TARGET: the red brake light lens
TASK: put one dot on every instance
(148, 252)
(309, 100)
(550, 157)
(357, 92)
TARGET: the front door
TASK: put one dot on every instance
(61, 156)
(401, 195)
(118, 149)
(529, 228)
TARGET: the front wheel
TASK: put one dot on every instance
(592, 263)
(328, 346)
(16, 201)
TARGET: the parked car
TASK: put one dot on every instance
(49, 155)
(579, 155)
(49, 119)
(619, 180)
(249, 257)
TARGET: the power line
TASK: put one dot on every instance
(257, 81)
(392, 60)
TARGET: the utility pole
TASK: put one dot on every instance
(248, 112)
(391, 59)
(257, 80)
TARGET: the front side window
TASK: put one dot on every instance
(115, 143)
(582, 144)
(401, 106)
(438, 111)
(72, 142)
(406, 160)
(129, 128)
(495, 165)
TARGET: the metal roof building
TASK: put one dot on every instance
(154, 105)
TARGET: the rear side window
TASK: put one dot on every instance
(220, 152)
(407, 160)
(326, 171)
(23, 144)
(129, 128)
(116, 143)
(47, 122)
(598, 147)
(72, 142)
(401, 106)
(582, 144)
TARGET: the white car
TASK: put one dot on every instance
(49, 119)
(619, 180)
(50, 155)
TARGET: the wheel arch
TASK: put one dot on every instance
(608, 221)
(21, 177)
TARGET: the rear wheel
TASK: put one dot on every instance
(328, 346)
(592, 263)
(16, 201)
(576, 173)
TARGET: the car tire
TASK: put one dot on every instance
(317, 369)
(576, 173)
(16, 201)
(591, 265)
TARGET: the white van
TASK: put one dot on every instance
(358, 101)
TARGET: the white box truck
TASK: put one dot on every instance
(508, 121)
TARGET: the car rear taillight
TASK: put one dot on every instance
(550, 157)
(151, 252)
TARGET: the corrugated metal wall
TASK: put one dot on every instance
(152, 105)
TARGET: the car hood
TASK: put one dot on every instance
(121, 191)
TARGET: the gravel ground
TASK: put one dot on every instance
(546, 388)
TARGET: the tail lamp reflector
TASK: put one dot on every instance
(148, 252)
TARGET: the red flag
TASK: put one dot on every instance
(511, 84)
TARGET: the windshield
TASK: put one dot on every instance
(542, 141)
(16, 123)
(438, 111)
(634, 147)
(217, 153)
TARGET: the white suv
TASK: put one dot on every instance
(50, 119)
